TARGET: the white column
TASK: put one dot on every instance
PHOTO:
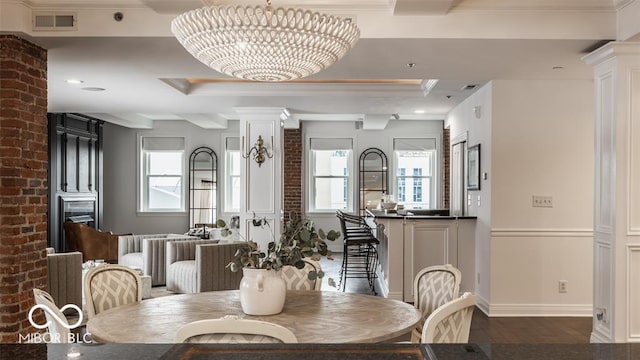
(261, 184)
(616, 298)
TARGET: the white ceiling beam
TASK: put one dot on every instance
(424, 7)
(328, 117)
(375, 122)
(129, 120)
(628, 26)
(205, 121)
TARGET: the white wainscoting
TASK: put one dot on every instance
(526, 265)
(633, 299)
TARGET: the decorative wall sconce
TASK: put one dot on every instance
(258, 151)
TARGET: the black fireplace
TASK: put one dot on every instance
(78, 210)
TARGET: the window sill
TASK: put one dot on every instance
(324, 213)
(161, 213)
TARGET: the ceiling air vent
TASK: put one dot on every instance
(54, 21)
(468, 87)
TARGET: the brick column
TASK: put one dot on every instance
(293, 171)
(23, 182)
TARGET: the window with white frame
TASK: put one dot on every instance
(162, 174)
(232, 174)
(415, 172)
(331, 161)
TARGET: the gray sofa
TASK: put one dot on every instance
(200, 265)
(147, 252)
(64, 281)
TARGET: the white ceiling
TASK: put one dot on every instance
(460, 42)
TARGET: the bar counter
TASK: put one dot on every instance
(415, 239)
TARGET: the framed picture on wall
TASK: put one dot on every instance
(473, 168)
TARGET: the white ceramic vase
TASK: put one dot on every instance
(262, 292)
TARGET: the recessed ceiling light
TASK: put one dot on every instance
(410, 65)
(93, 89)
(74, 81)
(419, 111)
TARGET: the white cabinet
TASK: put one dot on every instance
(408, 245)
(427, 243)
(390, 253)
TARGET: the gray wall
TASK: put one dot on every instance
(120, 173)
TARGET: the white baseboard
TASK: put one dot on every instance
(513, 310)
(395, 296)
(482, 304)
(382, 285)
(383, 288)
(597, 337)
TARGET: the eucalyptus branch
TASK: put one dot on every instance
(299, 240)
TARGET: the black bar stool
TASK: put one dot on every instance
(360, 254)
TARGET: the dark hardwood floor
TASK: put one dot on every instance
(529, 330)
(496, 330)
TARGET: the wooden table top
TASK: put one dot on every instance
(313, 316)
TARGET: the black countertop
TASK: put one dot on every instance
(383, 351)
(393, 215)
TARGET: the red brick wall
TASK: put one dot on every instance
(293, 171)
(23, 182)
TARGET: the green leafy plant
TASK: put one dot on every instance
(224, 229)
(299, 239)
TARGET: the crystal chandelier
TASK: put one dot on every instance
(262, 43)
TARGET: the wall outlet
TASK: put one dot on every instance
(562, 286)
(542, 201)
(601, 314)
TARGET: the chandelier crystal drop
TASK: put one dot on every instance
(261, 43)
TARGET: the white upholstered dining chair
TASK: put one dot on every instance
(235, 330)
(298, 279)
(432, 287)
(109, 286)
(451, 322)
(58, 325)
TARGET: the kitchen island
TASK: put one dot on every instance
(411, 241)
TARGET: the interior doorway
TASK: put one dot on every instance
(458, 171)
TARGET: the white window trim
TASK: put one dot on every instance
(308, 181)
(225, 213)
(437, 181)
(140, 189)
(434, 184)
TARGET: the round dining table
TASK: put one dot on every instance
(313, 316)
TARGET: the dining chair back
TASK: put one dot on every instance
(235, 330)
(305, 278)
(58, 325)
(451, 322)
(109, 286)
(432, 287)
